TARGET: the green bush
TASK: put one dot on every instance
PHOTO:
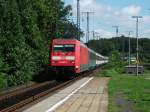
(3, 70)
(108, 73)
(3, 80)
(116, 62)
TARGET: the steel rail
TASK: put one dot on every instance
(33, 94)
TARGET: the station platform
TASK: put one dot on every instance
(86, 95)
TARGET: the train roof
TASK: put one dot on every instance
(64, 41)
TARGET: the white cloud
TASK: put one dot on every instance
(131, 10)
(146, 19)
(104, 33)
(146, 33)
(92, 5)
(123, 16)
(110, 16)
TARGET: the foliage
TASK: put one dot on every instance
(26, 28)
(115, 65)
(109, 73)
(102, 46)
(3, 70)
(121, 44)
(116, 62)
(3, 81)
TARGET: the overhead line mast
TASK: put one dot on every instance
(87, 33)
(129, 55)
(117, 30)
(137, 47)
(78, 19)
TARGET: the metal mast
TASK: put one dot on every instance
(87, 32)
(78, 19)
(129, 57)
(117, 30)
(137, 47)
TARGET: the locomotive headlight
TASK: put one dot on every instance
(77, 67)
(70, 58)
(56, 57)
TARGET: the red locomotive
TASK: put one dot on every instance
(70, 55)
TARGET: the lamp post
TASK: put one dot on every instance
(137, 47)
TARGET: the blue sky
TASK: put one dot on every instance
(114, 12)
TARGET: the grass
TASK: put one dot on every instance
(129, 92)
(107, 73)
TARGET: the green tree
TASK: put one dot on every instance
(116, 62)
(26, 28)
(3, 72)
(15, 51)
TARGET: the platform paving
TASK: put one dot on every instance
(90, 97)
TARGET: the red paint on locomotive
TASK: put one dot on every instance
(69, 53)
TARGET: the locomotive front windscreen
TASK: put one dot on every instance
(64, 48)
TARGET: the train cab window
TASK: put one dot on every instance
(64, 48)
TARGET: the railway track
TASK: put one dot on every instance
(20, 98)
